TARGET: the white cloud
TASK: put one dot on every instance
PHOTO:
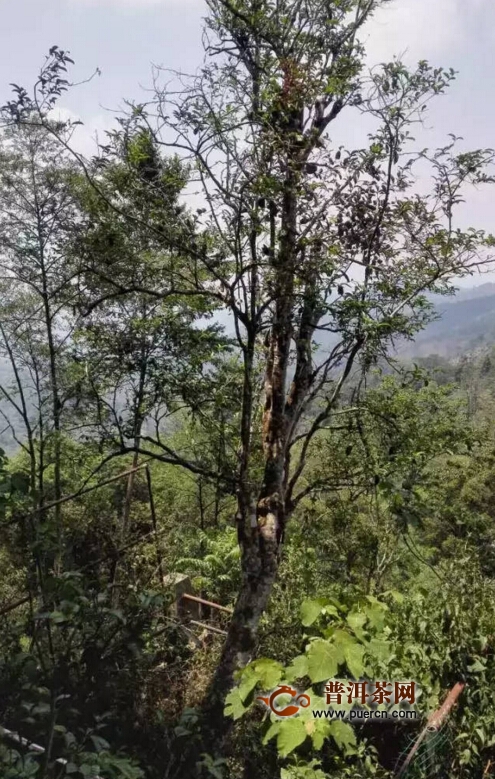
(125, 3)
(139, 4)
(86, 136)
(423, 28)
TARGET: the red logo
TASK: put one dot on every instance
(301, 701)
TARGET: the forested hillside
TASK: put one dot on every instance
(464, 324)
(225, 482)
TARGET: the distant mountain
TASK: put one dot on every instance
(472, 293)
(465, 322)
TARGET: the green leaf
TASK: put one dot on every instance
(356, 620)
(320, 730)
(354, 654)
(311, 610)
(465, 757)
(398, 597)
(268, 672)
(297, 669)
(124, 766)
(376, 615)
(323, 662)
(379, 649)
(99, 743)
(272, 731)
(341, 639)
(234, 706)
(58, 617)
(342, 733)
(308, 771)
(292, 733)
(181, 731)
(477, 667)
(248, 682)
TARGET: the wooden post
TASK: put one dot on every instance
(435, 721)
(154, 523)
(182, 586)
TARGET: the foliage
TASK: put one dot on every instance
(434, 636)
(214, 564)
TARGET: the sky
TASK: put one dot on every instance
(124, 38)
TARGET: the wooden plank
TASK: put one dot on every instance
(208, 627)
(208, 603)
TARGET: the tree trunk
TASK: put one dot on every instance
(57, 451)
(127, 508)
(261, 540)
(259, 570)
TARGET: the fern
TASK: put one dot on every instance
(213, 563)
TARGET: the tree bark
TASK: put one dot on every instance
(261, 540)
(259, 570)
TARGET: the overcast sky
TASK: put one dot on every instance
(124, 37)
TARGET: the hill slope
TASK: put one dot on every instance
(464, 323)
